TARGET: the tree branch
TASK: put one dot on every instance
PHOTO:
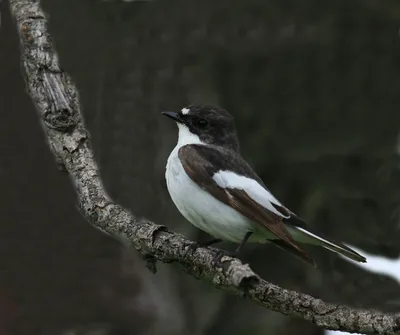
(56, 100)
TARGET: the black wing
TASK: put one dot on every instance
(202, 162)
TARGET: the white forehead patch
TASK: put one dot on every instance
(185, 111)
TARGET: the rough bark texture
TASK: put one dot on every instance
(56, 99)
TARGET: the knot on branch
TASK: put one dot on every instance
(61, 109)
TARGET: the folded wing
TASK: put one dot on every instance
(212, 169)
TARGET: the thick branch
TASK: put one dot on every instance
(56, 99)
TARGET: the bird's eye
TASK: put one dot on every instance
(202, 123)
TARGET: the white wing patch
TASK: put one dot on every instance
(229, 179)
(185, 111)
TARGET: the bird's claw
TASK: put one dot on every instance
(195, 245)
(221, 253)
(191, 247)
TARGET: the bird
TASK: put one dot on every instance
(217, 191)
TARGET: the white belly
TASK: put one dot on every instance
(203, 210)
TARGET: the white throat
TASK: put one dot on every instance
(185, 136)
(174, 167)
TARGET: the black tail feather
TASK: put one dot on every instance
(298, 253)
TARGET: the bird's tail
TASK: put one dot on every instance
(305, 236)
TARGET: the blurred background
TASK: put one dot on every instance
(315, 90)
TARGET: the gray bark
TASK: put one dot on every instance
(56, 99)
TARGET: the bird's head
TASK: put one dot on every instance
(206, 124)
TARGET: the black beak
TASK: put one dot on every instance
(173, 115)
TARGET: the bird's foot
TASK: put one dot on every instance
(191, 247)
(195, 245)
(221, 253)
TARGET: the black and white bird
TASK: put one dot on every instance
(217, 191)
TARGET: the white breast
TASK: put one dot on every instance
(199, 207)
